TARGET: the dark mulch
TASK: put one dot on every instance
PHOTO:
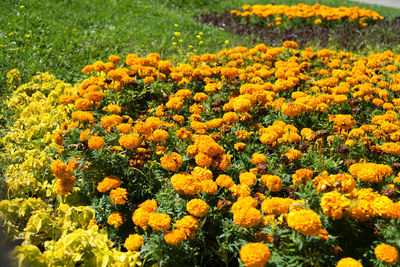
(345, 36)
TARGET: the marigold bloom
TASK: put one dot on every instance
(197, 207)
(258, 159)
(276, 205)
(96, 142)
(272, 182)
(110, 182)
(118, 196)
(140, 217)
(224, 181)
(248, 178)
(116, 219)
(334, 205)
(348, 262)
(149, 205)
(174, 237)
(159, 221)
(386, 253)
(304, 221)
(133, 242)
(247, 217)
(129, 141)
(189, 225)
(171, 162)
(255, 254)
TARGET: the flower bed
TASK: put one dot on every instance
(254, 155)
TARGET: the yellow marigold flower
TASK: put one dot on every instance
(140, 217)
(244, 202)
(348, 262)
(118, 196)
(129, 141)
(159, 221)
(133, 242)
(334, 205)
(174, 237)
(110, 121)
(96, 142)
(276, 205)
(272, 182)
(258, 158)
(197, 207)
(149, 205)
(386, 253)
(248, 178)
(304, 221)
(224, 181)
(255, 254)
(171, 162)
(370, 172)
(110, 182)
(116, 219)
(345, 122)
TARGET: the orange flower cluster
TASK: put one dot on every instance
(317, 12)
(64, 175)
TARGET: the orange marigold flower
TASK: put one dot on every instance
(129, 141)
(272, 182)
(114, 58)
(96, 142)
(110, 182)
(247, 217)
(159, 221)
(189, 225)
(118, 196)
(255, 254)
(208, 187)
(276, 205)
(149, 205)
(258, 158)
(116, 219)
(140, 217)
(133, 242)
(304, 221)
(158, 136)
(174, 237)
(248, 178)
(197, 207)
(334, 205)
(65, 186)
(386, 253)
(171, 162)
(224, 181)
(61, 170)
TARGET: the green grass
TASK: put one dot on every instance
(62, 36)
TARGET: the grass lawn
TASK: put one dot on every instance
(63, 36)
